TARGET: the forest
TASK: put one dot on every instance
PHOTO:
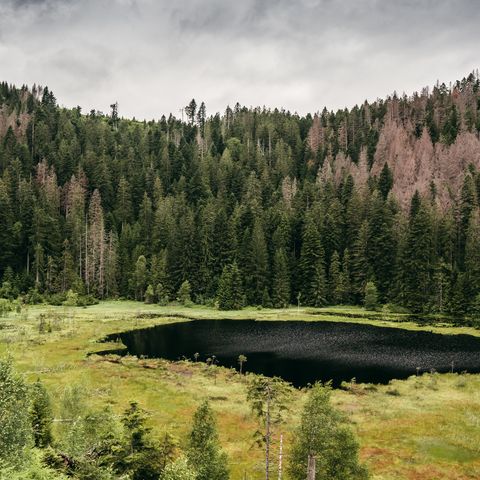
(378, 203)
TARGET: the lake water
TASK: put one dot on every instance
(304, 352)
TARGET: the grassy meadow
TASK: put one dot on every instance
(425, 427)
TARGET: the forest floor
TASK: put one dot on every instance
(425, 427)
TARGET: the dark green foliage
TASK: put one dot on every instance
(142, 460)
(385, 182)
(104, 206)
(204, 453)
(230, 292)
(281, 280)
(324, 433)
(41, 415)
(418, 259)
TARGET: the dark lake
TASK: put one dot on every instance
(303, 352)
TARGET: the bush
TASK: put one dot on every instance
(33, 297)
(16, 432)
(73, 299)
(394, 308)
(56, 299)
(6, 306)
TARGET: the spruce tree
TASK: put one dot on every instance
(359, 263)
(310, 266)
(418, 267)
(371, 296)
(230, 292)
(204, 453)
(336, 287)
(385, 182)
(41, 415)
(472, 257)
(281, 280)
(184, 294)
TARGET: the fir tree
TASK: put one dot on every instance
(41, 415)
(204, 453)
(230, 292)
(281, 280)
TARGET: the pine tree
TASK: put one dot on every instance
(385, 182)
(319, 286)
(15, 425)
(230, 292)
(184, 294)
(472, 257)
(336, 280)
(418, 268)
(41, 415)
(140, 277)
(281, 280)
(360, 267)
(204, 453)
(381, 245)
(256, 275)
(371, 296)
(309, 264)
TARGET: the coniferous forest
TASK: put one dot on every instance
(378, 203)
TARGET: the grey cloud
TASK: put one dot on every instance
(154, 55)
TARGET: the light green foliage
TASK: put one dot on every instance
(204, 453)
(269, 398)
(184, 294)
(15, 427)
(324, 433)
(179, 470)
(6, 306)
(140, 277)
(149, 294)
(371, 296)
(72, 299)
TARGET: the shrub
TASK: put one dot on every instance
(33, 297)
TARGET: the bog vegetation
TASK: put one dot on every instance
(96, 444)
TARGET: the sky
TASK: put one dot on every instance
(154, 56)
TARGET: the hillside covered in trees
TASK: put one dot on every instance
(251, 207)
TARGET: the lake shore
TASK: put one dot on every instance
(423, 427)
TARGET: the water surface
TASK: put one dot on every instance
(304, 352)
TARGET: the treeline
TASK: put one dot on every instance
(230, 208)
(74, 440)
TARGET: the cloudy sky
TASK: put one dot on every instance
(153, 56)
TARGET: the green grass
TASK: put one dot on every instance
(424, 427)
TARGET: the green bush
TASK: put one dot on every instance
(33, 297)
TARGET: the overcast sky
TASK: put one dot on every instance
(153, 56)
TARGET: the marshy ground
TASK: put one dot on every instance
(424, 427)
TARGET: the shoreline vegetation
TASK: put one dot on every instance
(423, 427)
